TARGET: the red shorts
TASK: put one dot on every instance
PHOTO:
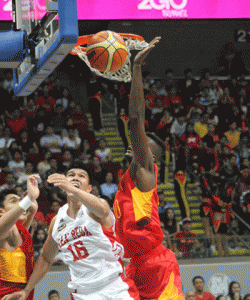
(12, 287)
(156, 275)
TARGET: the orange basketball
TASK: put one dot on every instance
(106, 51)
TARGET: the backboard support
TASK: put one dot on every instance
(52, 29)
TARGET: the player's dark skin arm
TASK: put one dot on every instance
(142, 167)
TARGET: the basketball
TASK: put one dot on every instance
(106, 51)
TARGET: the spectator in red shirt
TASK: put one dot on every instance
(199, 283)
(55, 205)
(46, 101)
(184, 240)
(17, 123)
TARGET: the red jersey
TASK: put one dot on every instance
(137, 219)
(14, 276)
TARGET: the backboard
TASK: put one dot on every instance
(52, 29)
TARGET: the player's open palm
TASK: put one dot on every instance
(32, 187)
(22, 295)
(140, 57)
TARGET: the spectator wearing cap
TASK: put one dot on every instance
(184, 240)
(199, 283)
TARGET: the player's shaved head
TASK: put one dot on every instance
(156, 146)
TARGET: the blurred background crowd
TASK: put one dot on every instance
(203, 121)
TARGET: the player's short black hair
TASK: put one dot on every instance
(156, 139)
(52, 292)
(5, 193)
(197, 277)
(81, 166)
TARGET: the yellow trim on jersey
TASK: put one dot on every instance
(142, 203)
(13, 266)
(171, 291)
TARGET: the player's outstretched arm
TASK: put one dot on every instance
(138, 136)
(9, 218)
(45, 260)
(33, 193)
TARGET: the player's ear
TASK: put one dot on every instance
(89, 188)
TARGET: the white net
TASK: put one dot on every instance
(124, 73)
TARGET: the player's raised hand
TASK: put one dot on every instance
(140, 57)
(22, 295)
(32, 187)
(62, 182)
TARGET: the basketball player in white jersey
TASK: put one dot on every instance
(83, 230)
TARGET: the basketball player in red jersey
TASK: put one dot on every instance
(16, 246)
(153, 268)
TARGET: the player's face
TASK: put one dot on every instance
(80, 179)
(11, 201)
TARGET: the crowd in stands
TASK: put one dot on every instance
(234, 291)
(205, 126)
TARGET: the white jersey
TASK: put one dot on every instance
(88, 248)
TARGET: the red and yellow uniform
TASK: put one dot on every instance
(17, 266)
(153, 268)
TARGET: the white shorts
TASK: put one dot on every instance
(120, 289)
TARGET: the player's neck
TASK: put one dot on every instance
(73, 209)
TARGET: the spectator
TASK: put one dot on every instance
(40, 123)
(233, 135)
(54, 167)
(38, 240)
(234, 291)
(29, 170)
(162, 124)
(173, 101)
(5, 142)
(72, 141)
(109, 188)
(10, 182)
(67, 160)
(96, 190)
(20, 190)
(200, 249)
(190, 295)
(246, 297)
(55, 205)
(51, 141)
(178, 127)
(45, 101)
(201, 127)
(17, 123)
(243, 148)
(170, 80)
(184, 240)
(26, 144)
(58, 120)
(98, 171)
(220, 297)
(103, 151)
(44, 165)
(79, 121)
(29, 112)
(53, 295)
(171, 226)
(64, 101)
(199, 283)
(17, 165)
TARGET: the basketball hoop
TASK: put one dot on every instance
(132, 41)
